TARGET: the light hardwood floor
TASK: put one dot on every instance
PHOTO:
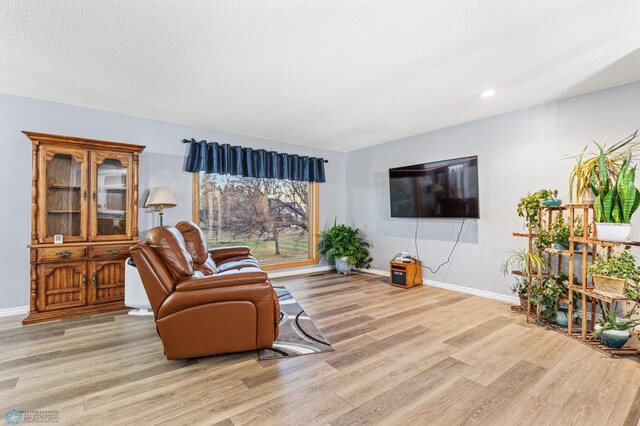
(402, 357)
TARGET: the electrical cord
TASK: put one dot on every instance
(415, 240)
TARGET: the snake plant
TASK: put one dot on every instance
(589, 160)
(617, 197)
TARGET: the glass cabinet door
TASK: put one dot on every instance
(63, 180)
(111, 196)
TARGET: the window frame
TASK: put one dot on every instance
(314, 223)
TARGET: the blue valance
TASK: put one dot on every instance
(224, 159)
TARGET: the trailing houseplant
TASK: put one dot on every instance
(547, 296)
(560, 232)
(616, 275)
(528, 207)
(578, 227)
(544, 240)
(524, 261)
(613, 331)
(344, 244)
(617, 199)
(589, 160)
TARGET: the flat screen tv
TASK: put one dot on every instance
(442, 189)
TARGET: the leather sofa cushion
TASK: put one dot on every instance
(222, 254)
(231, 278)
(195, 241)
(237, 264)
(196, 244)
(169, 244)
(207, 268)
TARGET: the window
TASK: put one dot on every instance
(278, 219)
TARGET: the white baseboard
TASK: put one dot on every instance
(482, 293)
(18, 310)
(460, 289)
(303, 271)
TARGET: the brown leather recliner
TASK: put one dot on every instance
(205, 302)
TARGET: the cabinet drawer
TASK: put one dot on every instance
(61, 253)
(110, 251)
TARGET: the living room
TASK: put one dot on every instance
(455, 145)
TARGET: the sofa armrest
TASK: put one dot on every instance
(222, 253)
(227, 279)
(260, 294)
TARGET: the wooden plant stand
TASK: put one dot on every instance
(589, 300)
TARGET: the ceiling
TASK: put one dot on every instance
(335, 74)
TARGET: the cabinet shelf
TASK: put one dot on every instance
(64, 212)
(68, 187)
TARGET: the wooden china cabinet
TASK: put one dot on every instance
(86, 192)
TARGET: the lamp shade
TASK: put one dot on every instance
(160, 197)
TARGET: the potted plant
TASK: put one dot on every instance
(588, 161)
(613, 331)
(617, 199)
(524, 262)
(560, 233)
(547, 297)
(521, 288)
(616, 276)
(578, 231)
(344, 244)
(544, 240)
(528, 207)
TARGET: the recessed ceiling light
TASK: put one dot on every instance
(487, 93)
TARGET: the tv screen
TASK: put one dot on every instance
(446, 188)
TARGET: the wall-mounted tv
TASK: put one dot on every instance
(442, 189)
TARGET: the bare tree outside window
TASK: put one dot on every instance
(269, 215)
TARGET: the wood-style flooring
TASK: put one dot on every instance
(402, 357)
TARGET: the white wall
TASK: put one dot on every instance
(517, 152)
(161, 164)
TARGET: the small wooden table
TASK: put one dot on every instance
(405, 274)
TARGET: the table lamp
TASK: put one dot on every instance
(160, 198)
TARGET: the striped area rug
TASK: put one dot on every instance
(298, 335)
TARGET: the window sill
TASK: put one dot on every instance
(289, 264)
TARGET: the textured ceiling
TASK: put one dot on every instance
(334, 74)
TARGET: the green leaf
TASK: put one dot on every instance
(636, 203)
(597, 206)
(628, 197)
(604, 179)
(607, 206)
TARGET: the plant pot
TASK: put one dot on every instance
(577, 246)
(557, 246)
(343, 266)
(562, 319)
(588, 198)
(552, 202)
(609, 286)
(616, 232)
(523, 302)
(615, 338)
